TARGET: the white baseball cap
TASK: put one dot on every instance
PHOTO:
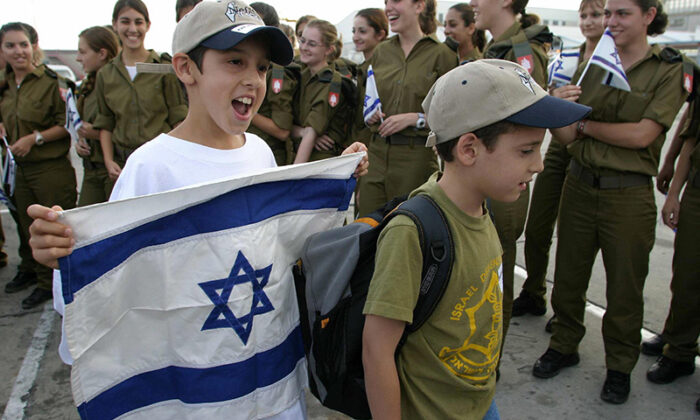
(221, 25)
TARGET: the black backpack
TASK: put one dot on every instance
(332, 279)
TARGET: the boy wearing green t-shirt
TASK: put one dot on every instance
(487, 121)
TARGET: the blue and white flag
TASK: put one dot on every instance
(605, 55)
(73, 121)
(9, 172)
(182, 305)
(372, 103)
(562, 69)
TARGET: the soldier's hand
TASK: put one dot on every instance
(3, 133)
(82, 148)
(49, 239)
(23, 146)
(113, 169)
(376, 118)
(663, 179)
(324, 143)
(568, 92)
(396, 123)
(363, 166)
(669, 213)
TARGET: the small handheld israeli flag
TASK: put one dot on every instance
(605, 55)
(372, 102)
(562, 69)
(73, 121)
(9, 169)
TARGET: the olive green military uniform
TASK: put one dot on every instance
(608, 203)
(544, 209)
(45, 175)
(683, 322)
(139, 110)
(97, 185)
(401, 162)
(316, 103)
(509, 218)
(3, 255)
(281, 87)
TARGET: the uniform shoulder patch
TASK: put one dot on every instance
(326, 76)
(671, 55)
(166, 58)
(277, 79)
(334, 93)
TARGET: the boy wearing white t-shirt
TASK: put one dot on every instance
(221, 53)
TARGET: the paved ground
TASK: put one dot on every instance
(36, 385)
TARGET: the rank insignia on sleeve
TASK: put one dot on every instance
(526, 62)
(333, 99)
(277, 85)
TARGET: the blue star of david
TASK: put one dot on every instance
(616, 57)
(222, 316)
(559, 65)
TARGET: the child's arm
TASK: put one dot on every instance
(379, 340)
(308, 140)
(49, 239)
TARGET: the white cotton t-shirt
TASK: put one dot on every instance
(132, 72)
(167, 163)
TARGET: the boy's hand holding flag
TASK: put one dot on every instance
(605, 55)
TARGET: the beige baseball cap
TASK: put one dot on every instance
(221, 25)
(484, 92)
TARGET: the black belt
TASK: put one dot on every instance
(401, 140)
(607, 182)
(694, 178)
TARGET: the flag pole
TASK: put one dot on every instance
(588, 64)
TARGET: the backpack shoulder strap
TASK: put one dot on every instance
(438, 254)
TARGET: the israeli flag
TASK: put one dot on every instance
(605, 55)
(182, 305)
(372, 103)
(9, 173)
(73, 121)
(562, 69)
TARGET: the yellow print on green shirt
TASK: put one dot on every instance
(477, 357)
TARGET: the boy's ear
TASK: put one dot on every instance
(467, 149)
(184, 68)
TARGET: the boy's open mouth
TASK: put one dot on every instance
(242, 105)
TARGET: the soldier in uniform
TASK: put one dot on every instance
(274, 120)
(544, 206)
(405, 67)
(96, 47)
(607, 202)
(461, 32)
(525, 42)
(682, 327)
(32, 112)
(134, 108)
(318, 96)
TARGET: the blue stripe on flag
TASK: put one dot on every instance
(562, 77)
(571, 54)
(610, 66)
(198, 386)
(261, 201)
(371, 108)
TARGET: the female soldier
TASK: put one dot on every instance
(319, 93)
(461, 28)
(33, 114)
(608, 201)
(526, 43)
(405, 67)
(547, 190)
(369, 28)
(133, 108)
(96, 47)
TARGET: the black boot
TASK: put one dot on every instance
(653, 346)
(526, 304)
(616, 388)
(667, 370)
(37, 297)
(21, 281)
(552, 361)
